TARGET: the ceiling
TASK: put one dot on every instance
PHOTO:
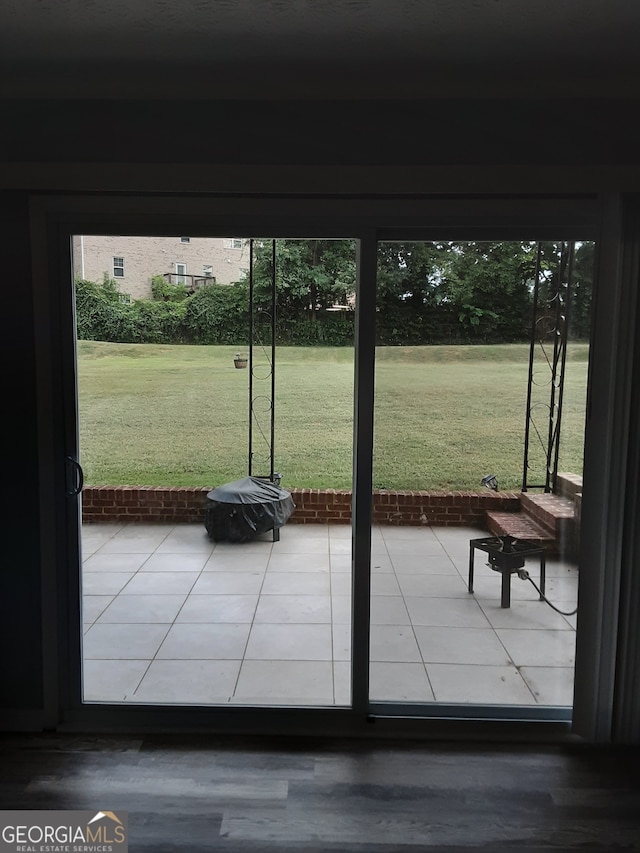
(319, 48)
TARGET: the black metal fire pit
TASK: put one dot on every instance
(239, 511)
(507, 555)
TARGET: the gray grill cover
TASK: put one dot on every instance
(238, 511)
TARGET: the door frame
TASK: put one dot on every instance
(54, 221)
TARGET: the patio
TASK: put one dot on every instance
(171, 617)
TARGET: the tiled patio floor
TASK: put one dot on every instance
(171, 617)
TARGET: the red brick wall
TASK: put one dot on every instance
(181, 504)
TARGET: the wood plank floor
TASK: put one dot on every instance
(207, 793)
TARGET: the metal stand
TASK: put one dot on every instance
(507, 555)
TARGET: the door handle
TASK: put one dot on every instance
(75, 475)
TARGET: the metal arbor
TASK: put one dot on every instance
(262, 369)
(547, 358)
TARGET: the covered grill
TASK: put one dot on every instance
(239, 511)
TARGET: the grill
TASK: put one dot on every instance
(244, 509)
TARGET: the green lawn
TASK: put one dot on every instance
(445, 416)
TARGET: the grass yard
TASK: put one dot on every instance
(445, 416)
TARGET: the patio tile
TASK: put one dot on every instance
(384, 584)
(257, 544)
(308, 531)
(563, 589)
(228, 583)
(381, 564)
(420, 609)
(446, 612)
(94, 536)
(341, 609)
(188, 682)
(136, 539)
(114, 562)
(523, 614)
(341, 639)
(561, 569)
(472, 683)
(186, 539)
(290, 682)
(340, 563)
(105, 583)
(551, 685)
(430, 564)
(218, 608)
(289, 642)
(246, 561)
(342, 682)
(411, 533)
(413, 548)
(171, 562)
(341, 584)
(288, 609)
(142, 608)
(93, 606)
(191, 641)
(394, 643)
(536, 648)
(443, 586)
(160, 583)
(123, 642)
(205, 641)
(111, 680)
(303, 545)
(280, 562)
(340, 531)
(296, 583)
(399, 682)
(378, 548)
(388, 610)
(461, 645)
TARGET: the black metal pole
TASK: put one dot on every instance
(554, 369)
(250, 355)
(532, 344)
(564, 341)
(273, 357)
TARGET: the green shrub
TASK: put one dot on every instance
(218, 314)
(163, 291)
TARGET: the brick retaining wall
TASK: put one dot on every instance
(181, 504)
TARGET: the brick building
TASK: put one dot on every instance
(133, 261)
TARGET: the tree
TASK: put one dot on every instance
(311, 275)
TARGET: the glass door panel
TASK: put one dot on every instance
(476, 360)
(169, 384)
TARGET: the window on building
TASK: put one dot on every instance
(185, 239)
(235, 243)
(207, 270)
(118, 267)
(181, 271)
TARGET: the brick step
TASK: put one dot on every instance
(554, 513)
(521, 526)
(569, 485)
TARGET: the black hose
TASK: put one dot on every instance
(524, 575)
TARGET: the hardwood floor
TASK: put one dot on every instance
(207, 793)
